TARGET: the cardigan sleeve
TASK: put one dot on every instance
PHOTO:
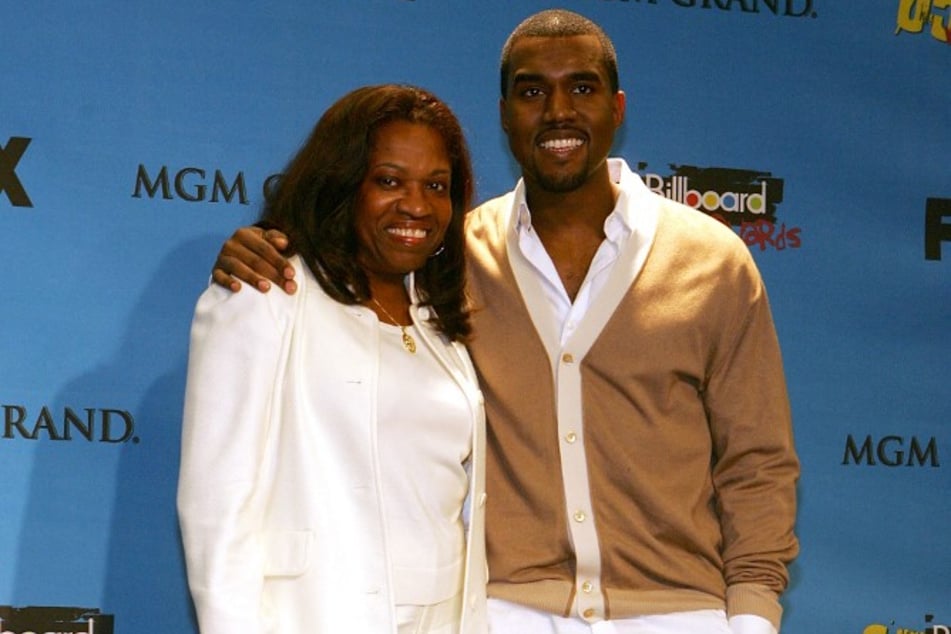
(238, 345)
(756, 467)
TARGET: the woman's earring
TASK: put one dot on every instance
(442, 247)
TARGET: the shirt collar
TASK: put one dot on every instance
(619, 224)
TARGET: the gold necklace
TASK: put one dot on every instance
(408, 342)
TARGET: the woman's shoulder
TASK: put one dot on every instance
(249, 305)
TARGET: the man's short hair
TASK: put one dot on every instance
(559, 23)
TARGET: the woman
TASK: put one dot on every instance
(331, 437)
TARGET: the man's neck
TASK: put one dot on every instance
(570, 225)
(584, 208)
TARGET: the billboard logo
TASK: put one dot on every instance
(744, 199)
(54, 620)
(891, 451)
(10, 184)
(930, 628)
(933, 16)
(937, 210)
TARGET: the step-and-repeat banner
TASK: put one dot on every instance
(134, 137)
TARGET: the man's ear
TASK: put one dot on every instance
(503, 115)
(620, 106)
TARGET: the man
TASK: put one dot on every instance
(641, 468)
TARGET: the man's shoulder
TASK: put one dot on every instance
(686, 224)
(490, 216)
(493, 208)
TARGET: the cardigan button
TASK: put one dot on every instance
(568, 358)
(580, 516)
(571, 437)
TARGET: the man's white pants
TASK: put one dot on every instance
(511, 618)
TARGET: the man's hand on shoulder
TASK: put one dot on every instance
(255, 256)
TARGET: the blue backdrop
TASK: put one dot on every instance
(136, 136)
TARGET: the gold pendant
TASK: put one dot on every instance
(408, 342)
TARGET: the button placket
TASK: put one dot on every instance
(589, 602)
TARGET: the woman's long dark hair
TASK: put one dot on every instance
(313, 202)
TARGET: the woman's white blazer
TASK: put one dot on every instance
(279, 495)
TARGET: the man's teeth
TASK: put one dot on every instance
(562, 144)
(408, 233)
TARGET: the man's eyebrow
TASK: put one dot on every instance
(586, 75)
(526, 77)
(581, 75)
